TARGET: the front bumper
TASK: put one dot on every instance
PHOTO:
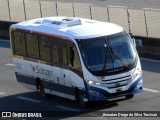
(97, 94)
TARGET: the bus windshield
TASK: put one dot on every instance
(108, 54)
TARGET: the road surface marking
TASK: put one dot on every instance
(29, 99)
(9, 64)
(150, 9)
(149, 60)
(151, 90)
(1, 93)
(67, 108)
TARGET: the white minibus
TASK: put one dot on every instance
(76, 58)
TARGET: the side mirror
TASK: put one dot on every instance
(71, 55)
(133, 39)
(134, 42)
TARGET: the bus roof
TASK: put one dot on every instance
(72, 27)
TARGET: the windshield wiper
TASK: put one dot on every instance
(117, 56)
(108, 57)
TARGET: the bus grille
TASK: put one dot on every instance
(118, 82)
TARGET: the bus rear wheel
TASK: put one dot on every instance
(42, 91)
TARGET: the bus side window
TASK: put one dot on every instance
(19, 43)
(32, 45)
(64, 55)
(55, 54)
(44, 48)
(74, 57)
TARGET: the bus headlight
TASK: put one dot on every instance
(90, 82)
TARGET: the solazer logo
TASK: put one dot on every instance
(41, 70)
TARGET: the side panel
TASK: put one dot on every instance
(52, 78)
(56, 74)
(33, 69)
(27, 72)
(26, 80)
(58, 78)
(67, 81)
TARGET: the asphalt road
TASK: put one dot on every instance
(137, 4)
(15, 97)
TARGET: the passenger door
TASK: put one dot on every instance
(57, 69)
(65, 71)
(61, 84)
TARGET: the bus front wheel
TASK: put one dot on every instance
(81, 101)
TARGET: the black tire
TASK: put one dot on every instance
(80, 100)
(42, 92)
(129, 96)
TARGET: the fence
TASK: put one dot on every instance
(144, 23)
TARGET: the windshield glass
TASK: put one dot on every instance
(108, 54)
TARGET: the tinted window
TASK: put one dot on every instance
(64, 55)
(76, 62)
(55, 54)
(32, 45)
(19, 43)
(44, 48)
(108, 54)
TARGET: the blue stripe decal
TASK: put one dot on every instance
(47, 84)
(25, 79)
(59, 88)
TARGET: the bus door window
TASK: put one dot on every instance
(56, 68)
(64, 56)
(74, 57)
(71, 55)
(65, 67)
